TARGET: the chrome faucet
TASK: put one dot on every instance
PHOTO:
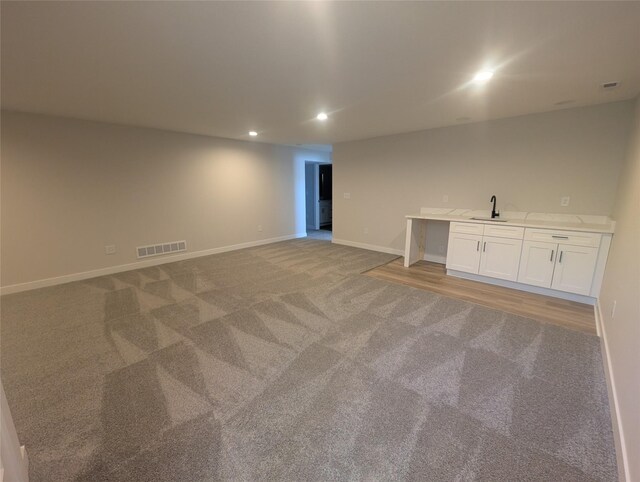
(494, 214)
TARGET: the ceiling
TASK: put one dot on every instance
(377, 68)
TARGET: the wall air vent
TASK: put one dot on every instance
(163, 248)
(610, 85)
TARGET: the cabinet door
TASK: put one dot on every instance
(536, 263)
(575, 266)
(463, 252)
(500, 257)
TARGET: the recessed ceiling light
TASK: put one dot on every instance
(483, 76)
(322, 116)
(253, 133)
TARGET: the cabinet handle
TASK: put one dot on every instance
(560, 237)
(551, 259)
(484, 247)
(560, 260)
(478, 246)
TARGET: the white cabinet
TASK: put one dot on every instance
(574, 269)
(497, 256)
(560, 260)
(561, 267)
(500, 257)
(463, 252)
(537, 263)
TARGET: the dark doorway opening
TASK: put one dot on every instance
(325, 189)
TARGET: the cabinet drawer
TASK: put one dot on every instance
(512, 232)
(573, 238)
(466, 228)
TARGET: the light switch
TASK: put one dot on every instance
(347, 195)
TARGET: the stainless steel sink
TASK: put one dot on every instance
(495, 220)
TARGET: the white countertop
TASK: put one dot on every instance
(567, 222)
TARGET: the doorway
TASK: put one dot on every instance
(318, 199)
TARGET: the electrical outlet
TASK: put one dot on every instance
(110, 249)
(445, 198)
(564, 201)
(347, 195)
(613, 309)
(259, 227)
(441, 249)
(366, 230)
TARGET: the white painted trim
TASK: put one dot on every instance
(618, 430)
(32, 285)
(523, 287)
(25, 461)
(370, 247)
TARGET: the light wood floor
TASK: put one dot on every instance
(432, 277)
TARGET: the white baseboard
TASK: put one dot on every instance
(25, 461)
(370, 247)
(616, 421)
(32, 285)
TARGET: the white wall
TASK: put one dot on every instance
(70, 187)
(621, 285)
(528, 162)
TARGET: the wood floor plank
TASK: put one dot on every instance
(429, 276)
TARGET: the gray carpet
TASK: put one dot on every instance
(282, 362)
